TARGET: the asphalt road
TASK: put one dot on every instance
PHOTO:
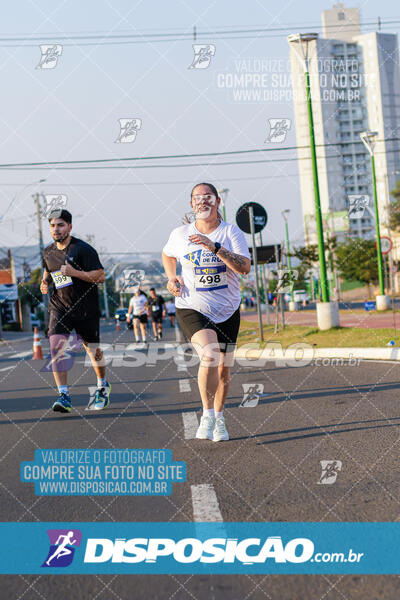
(268, 471)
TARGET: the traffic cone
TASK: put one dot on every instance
(118, 328)
(37, 346)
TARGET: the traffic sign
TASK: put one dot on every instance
(386, 244)
(369, 306)
(266, 254)
(243, 219)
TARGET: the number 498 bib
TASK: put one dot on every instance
(61, 280)
(207, 279)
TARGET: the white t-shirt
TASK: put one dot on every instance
(138, 303)
(210, 286)
(170, 307)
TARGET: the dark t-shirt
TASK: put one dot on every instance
(79, 299)
(155, 304)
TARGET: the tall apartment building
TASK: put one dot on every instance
(355, 86)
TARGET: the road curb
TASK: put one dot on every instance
(305, 353)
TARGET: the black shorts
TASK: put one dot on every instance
(142, 318)
(191, 321)
(62, 323)
(156, 316)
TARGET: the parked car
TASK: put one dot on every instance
(120, 314)
(35, 322)
(299, 296)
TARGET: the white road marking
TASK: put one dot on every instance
(20, 354)
(184, 385)
(190, 425)
(7, 368)
(205, 503)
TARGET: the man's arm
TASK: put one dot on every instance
(44, 286)
(96, 276)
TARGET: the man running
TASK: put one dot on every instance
(74, 269)
(157, 312)
(171, 311)
(212, 254)
(138, 305)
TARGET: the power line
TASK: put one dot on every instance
(178, 165)
(97, 38)
(90, 162)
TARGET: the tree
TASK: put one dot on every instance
(29, 292)
(356, 260)
(308, 257)
(394, 208)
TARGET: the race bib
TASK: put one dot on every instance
(154, 307)
(61, 280)
(207, 279)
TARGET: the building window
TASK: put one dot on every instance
(341, 16)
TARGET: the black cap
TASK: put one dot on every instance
(63, 214)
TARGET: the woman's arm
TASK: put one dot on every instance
(236, 262)
(174, 282)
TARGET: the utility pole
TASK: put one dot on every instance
(369, 140)
(41, 248)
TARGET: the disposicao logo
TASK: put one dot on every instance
(190, 550)
(62, 547)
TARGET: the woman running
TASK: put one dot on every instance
(211, 253)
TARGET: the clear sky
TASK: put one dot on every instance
(71, 112)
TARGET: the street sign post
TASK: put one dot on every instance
(252, 228)
(243, 217)
(251, 218)
(386, 244)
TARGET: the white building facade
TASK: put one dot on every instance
(355, 86)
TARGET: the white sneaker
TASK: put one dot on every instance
(206, 428)
(220, 433)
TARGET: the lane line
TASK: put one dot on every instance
(181, 365)
(205, 503)
(190, 425)
(184, 385)
(7, 368)
(20, 355)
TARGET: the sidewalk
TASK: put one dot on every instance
(348, 318)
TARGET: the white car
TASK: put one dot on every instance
(299, 296)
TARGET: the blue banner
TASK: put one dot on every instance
(196, 548)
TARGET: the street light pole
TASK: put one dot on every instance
(369, 139)
(223, 195)
(318, 214)
(285, 215)
(327, 312)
